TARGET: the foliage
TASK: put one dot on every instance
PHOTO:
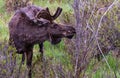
(94, 18)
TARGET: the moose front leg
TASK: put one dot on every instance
(43, 65)
(29, 56)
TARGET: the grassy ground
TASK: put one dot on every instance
(57, 54)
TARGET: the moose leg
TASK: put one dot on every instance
(29, 56)
(43, 65)
(41, 50)
(22, 62)
(23, 58)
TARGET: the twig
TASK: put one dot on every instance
(99, 25)
(96, 35)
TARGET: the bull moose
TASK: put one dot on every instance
(33, 25)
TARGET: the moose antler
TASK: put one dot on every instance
(57, 13)
(43, 14)
(46, 14)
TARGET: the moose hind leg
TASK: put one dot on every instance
(23, 58)
(29, 56)
(41, 50)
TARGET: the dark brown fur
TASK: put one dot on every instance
(25, 32)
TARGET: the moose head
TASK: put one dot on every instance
(56, 31)
(34, 25)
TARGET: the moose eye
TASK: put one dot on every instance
(55, 26)
(69, 31)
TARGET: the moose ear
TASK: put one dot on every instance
(43, 22)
